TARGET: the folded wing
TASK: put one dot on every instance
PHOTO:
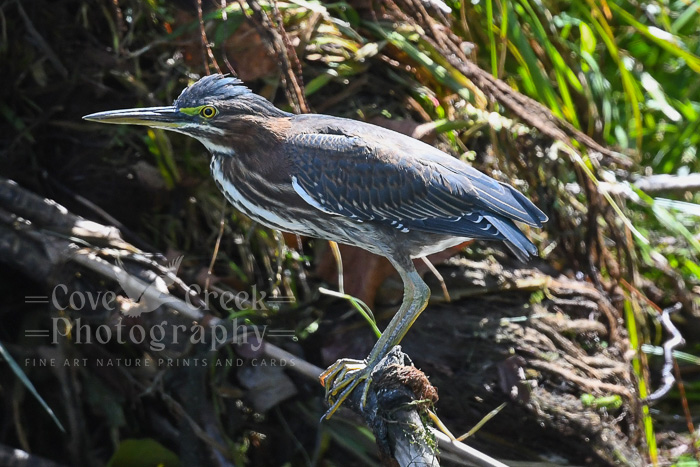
(408, 186)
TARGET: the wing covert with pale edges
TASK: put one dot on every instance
(341, 174)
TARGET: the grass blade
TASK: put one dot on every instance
(28, 384)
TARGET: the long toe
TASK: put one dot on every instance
(326, 378)
(340, 380)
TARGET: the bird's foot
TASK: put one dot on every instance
(341, 378)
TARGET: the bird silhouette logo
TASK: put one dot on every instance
(144, 296)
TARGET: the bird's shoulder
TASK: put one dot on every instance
(347, 159)
(336, 137)
(326, 137)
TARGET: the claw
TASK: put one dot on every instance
(337, 367)
(350, 386)
(340, 379)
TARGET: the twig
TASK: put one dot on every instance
(222, 224)
(583, 382)
(686, 410)
(664, 182)
(274, 37)
(205, 41)
(164, 272)
(295, 74)
(667, 377)
(339, 262)
(121, 25)
(41, 43)
(466, 453)
(301, 366)
(90, 260)
(439, 277)
(482, 422)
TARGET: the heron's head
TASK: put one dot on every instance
(206, 110)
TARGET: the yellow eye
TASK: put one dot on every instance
(208, 111)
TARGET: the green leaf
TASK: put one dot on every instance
(492, 39)
(359, 305)
(145, 452)
(443, 73)
(588, 40)
(686, 460)
(662, 38)
(319, 82)
(608, 402)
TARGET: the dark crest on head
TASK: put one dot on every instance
(212, 88)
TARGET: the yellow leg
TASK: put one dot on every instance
(341, 378)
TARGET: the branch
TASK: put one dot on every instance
(397, 396)
(465, 454)
(665, 182)
(17, 458)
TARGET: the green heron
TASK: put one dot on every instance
(346, 181)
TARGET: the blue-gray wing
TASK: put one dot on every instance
(349, 176)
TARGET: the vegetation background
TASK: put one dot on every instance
(619, 103)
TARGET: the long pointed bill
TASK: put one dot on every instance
(168, 118)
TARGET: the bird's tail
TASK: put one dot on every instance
(536, 216)
(515, 240)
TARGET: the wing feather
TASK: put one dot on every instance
(405, 183)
